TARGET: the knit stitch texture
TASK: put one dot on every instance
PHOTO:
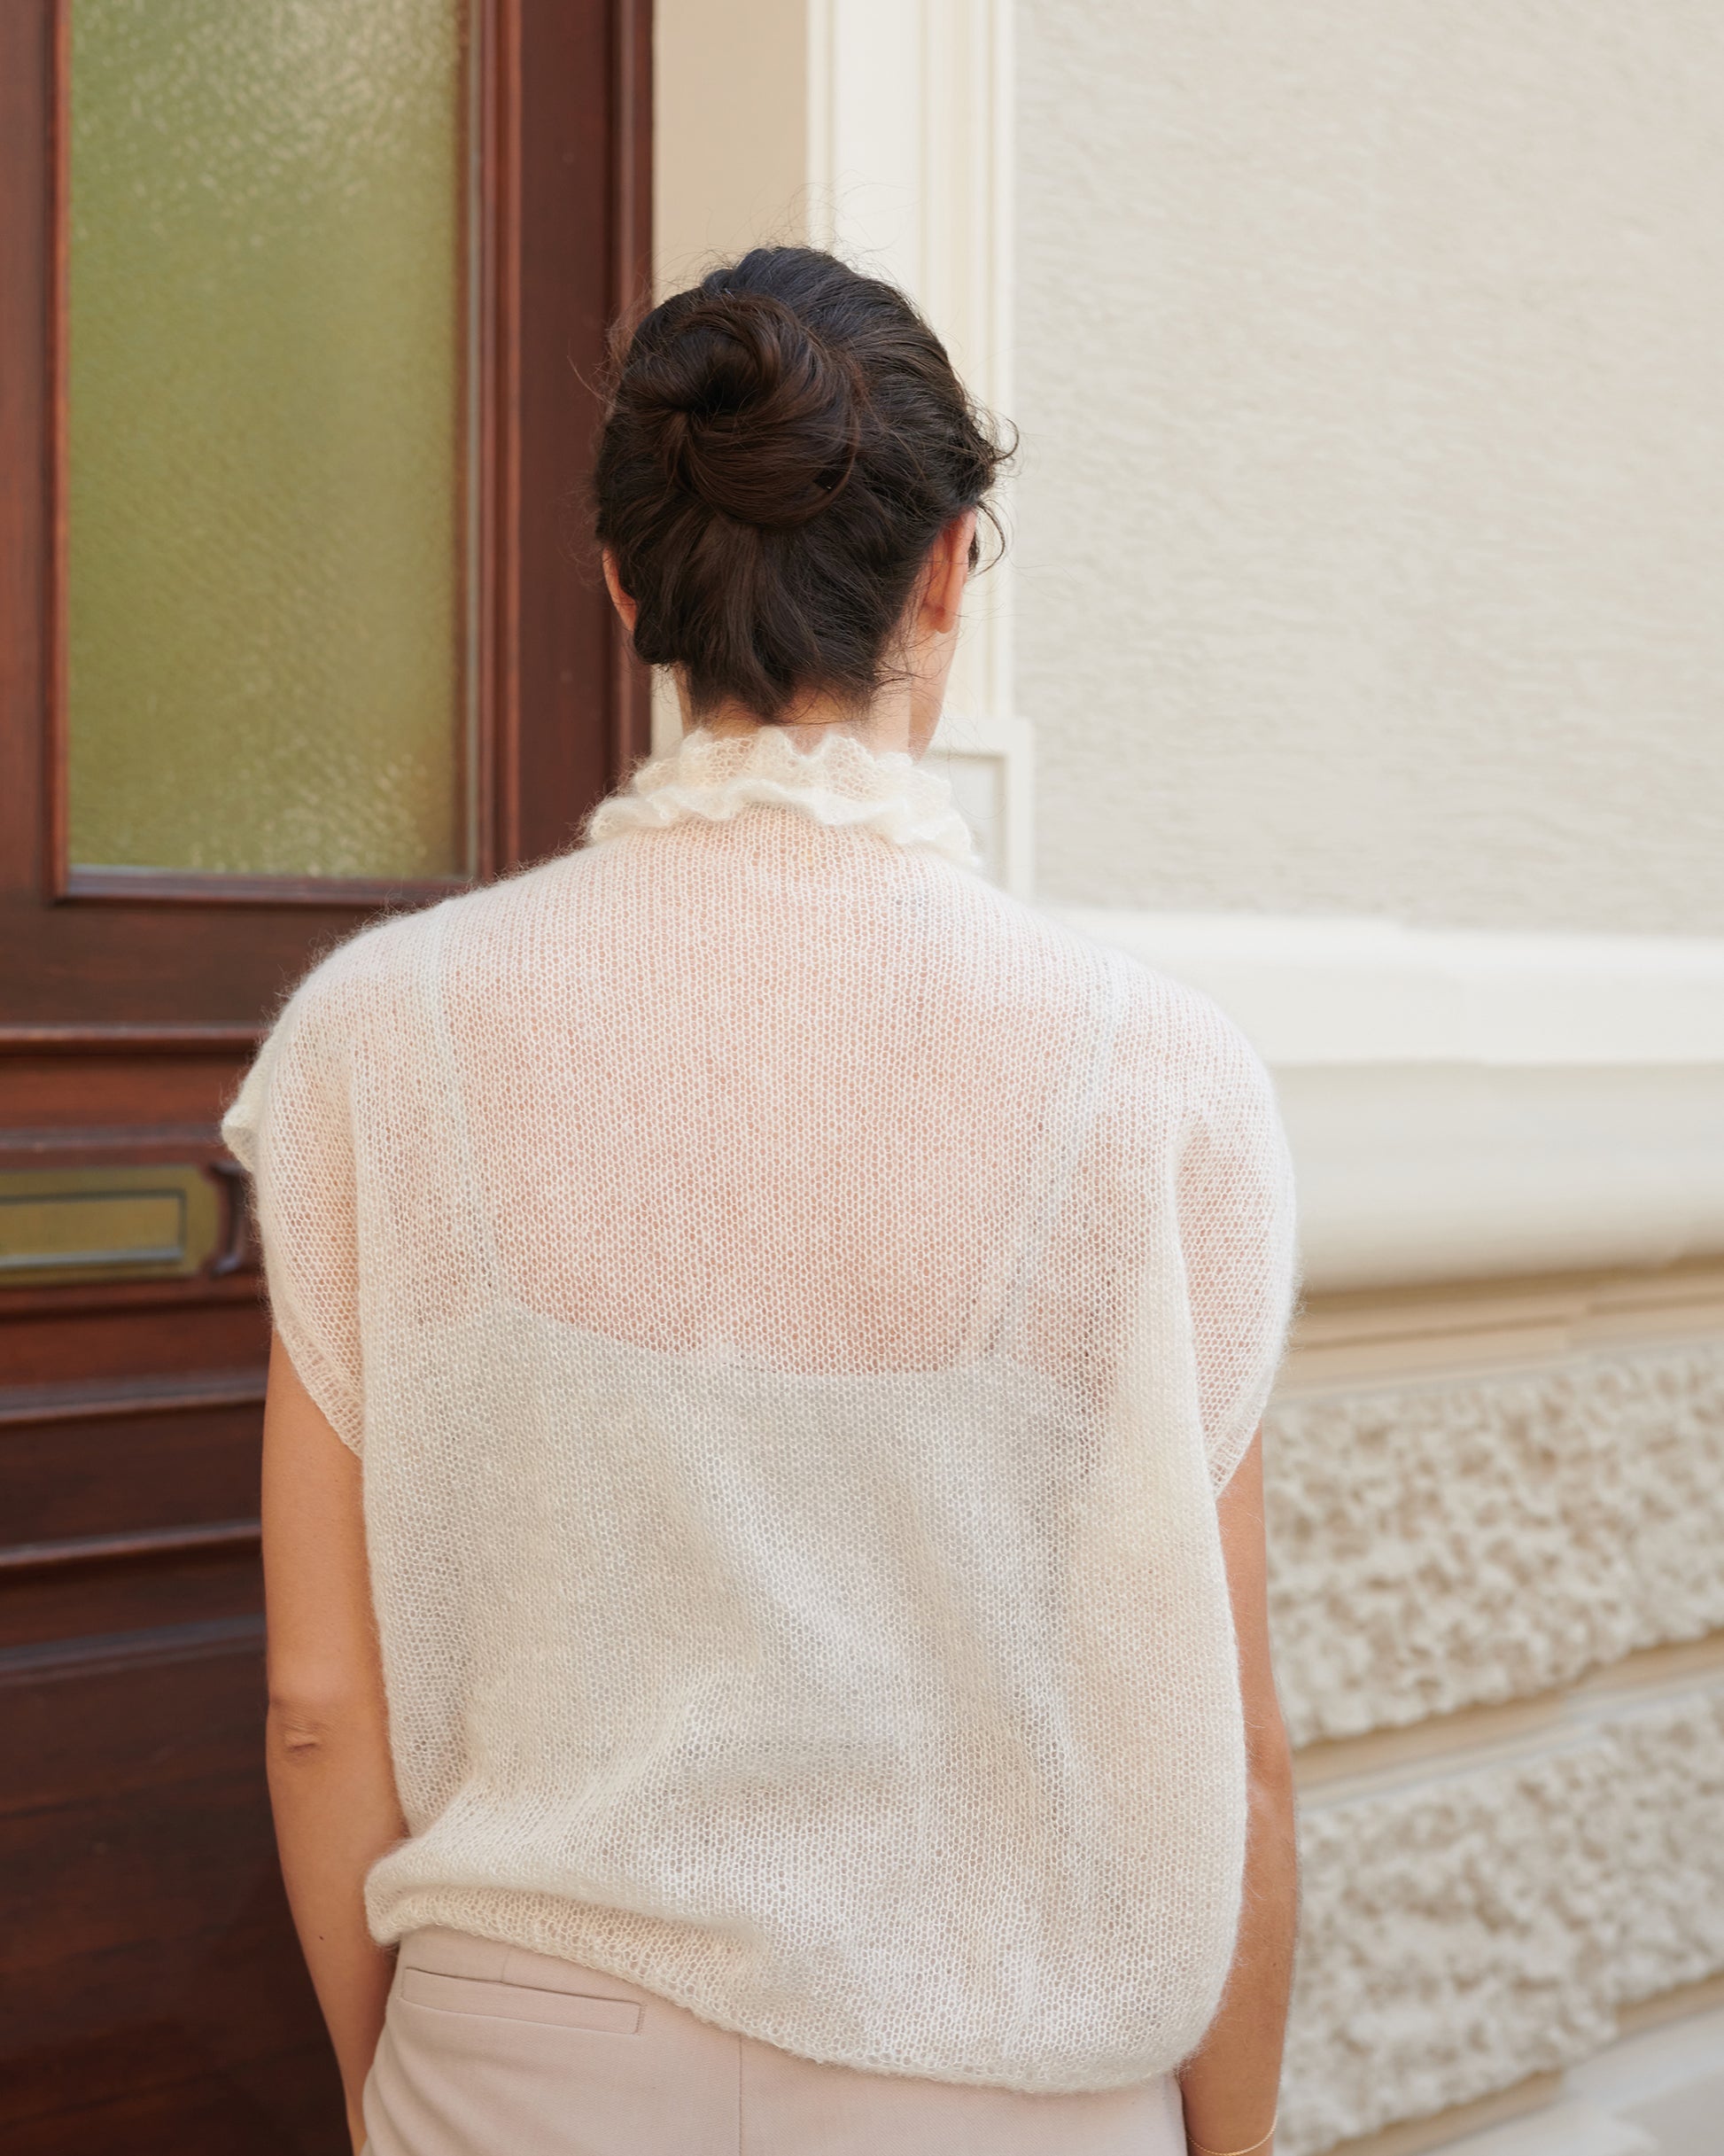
(795, 1306)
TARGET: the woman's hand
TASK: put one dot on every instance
(1232, 2081)
(331, 1785)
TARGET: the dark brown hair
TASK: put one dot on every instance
(781, 447)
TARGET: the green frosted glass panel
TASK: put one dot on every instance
(268, 323)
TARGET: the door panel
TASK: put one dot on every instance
(244, 700)
(130, 1457)
(154, 2003)
(268, 322)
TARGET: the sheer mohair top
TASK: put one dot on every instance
(795, 1307)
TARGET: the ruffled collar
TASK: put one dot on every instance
(713, 777)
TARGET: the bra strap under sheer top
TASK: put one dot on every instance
(1087, 1088)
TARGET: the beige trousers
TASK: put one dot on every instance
(491, 2051)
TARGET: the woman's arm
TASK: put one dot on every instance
(330, 1782)
(1230, 2083)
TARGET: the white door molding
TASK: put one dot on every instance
(911, 174)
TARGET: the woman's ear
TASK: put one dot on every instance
(619, 598)
(947, 573)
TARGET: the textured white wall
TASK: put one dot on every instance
(1372, 520)
(1480, 1903)
(1473, 1928)
(1440, 1547)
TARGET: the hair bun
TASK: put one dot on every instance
(754, 415)
(781, 447)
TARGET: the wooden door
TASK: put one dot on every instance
(177, 382)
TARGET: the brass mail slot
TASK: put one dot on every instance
(105, 1224)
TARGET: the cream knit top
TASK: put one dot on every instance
(795, 1306)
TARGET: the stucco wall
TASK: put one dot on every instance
(1498, 1596)
(1372, 516)
(1461, 1934)
(1458, 1544)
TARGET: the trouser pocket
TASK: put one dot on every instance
(506, 2002)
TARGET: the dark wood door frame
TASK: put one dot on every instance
(566, 121)
(551, 157)
(151, 1997)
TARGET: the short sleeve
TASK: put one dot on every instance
(1237, 1233)
(291, 1127)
